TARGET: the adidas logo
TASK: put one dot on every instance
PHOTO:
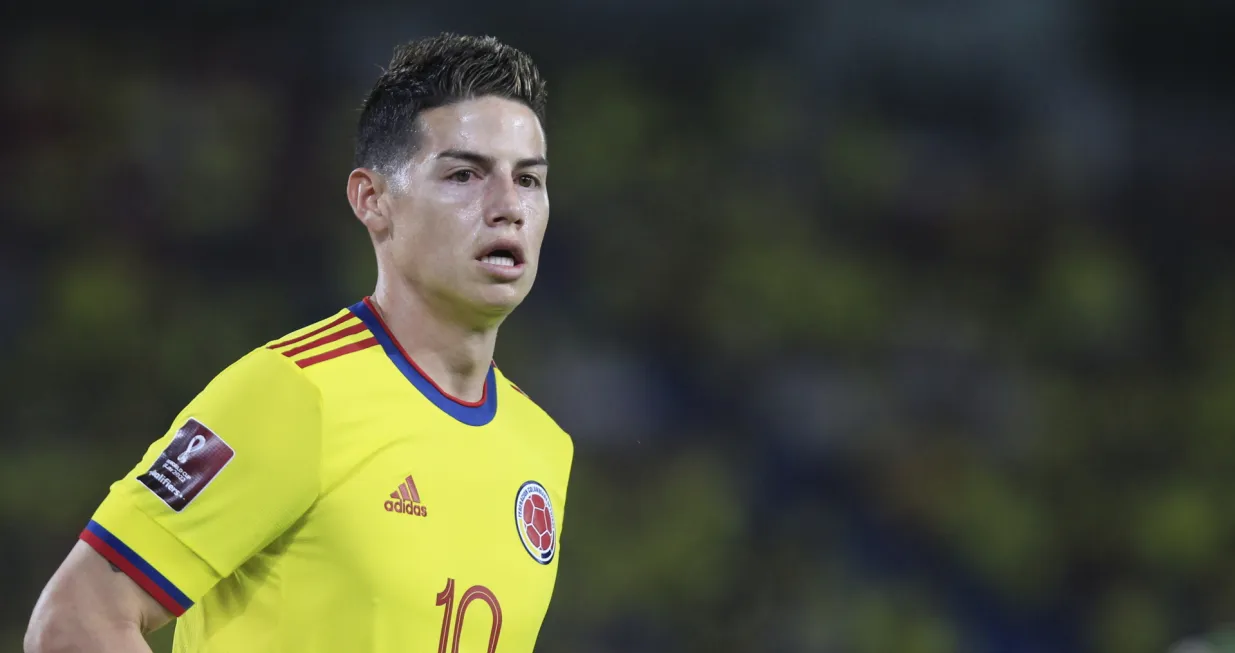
(406, 500)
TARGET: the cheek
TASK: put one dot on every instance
(434, 228)
(536, 210)
(539, 228)
(538, 235)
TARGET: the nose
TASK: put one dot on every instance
(502, 203)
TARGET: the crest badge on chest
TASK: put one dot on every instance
(535, 522)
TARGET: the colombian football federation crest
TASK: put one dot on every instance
(535, 521)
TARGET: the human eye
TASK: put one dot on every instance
(530, 181)
(462, 176)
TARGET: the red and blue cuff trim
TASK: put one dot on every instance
(146, 576)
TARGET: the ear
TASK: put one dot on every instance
(365, 188)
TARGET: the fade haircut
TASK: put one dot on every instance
(434, 72)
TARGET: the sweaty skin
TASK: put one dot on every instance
(476, 181)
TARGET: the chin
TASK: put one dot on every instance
(499, 301)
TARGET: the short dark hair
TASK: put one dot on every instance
(433, 72)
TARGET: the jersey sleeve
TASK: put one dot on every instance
(236, 468)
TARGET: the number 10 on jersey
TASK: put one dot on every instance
(447, 598)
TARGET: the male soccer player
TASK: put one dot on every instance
(371, 482)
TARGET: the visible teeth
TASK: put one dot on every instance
(499, 260)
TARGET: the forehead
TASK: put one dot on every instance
(492, 126)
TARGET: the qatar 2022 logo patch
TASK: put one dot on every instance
(535, 521)
(190, 462)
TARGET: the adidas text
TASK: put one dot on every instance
(407, 508)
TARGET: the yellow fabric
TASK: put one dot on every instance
(296, 544)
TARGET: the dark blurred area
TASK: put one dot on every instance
(880, 327)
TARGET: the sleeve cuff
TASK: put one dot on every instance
(159, 563)
(145, 575)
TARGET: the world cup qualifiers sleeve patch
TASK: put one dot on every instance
(190, 462)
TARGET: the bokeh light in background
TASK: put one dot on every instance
(880, 327)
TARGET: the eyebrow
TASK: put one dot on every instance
(488, 162)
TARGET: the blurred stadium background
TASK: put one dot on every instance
(880, 327)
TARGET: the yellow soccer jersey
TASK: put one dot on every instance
(324, 495)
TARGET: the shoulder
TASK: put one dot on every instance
(277, 371)
(260, 377)
(324, 340)
(260, 405)
(525, 409)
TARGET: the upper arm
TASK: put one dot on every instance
(87, 601)
(237, 468)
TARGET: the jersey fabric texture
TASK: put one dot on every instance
(323, 495)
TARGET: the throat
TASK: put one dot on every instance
(453, 359)
(464, 383)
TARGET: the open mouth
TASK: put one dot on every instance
(502, 256)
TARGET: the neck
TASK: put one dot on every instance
(453, 355)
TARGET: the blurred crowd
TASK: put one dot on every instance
(875, 335)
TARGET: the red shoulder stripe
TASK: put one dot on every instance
(341, 333)
(312, 333)
(337, 352)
